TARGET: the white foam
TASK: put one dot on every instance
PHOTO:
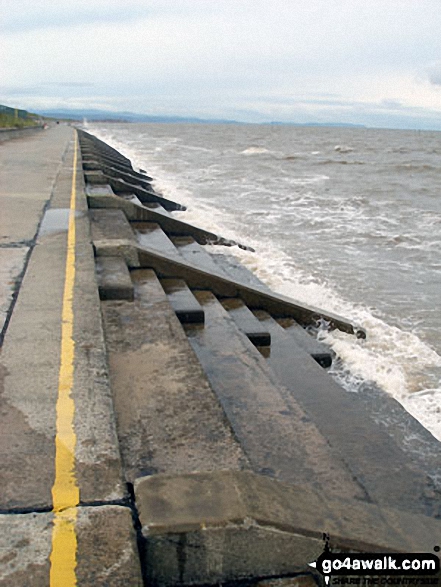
(254, 151)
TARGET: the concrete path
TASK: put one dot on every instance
(28, 169)
(64, 509)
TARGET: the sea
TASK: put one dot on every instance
(344, 219)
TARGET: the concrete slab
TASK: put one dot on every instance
(197, 255)
(106, 553)
(12, 262)
(168, 418)
(211, 527)
(29, 370)
(114, 281)
(186, 307)
(246, 321)
(150, 234)
(375, 460)
(28, 169)
(318, 351)
(235, 270)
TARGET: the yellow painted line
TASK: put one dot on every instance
(65, 490)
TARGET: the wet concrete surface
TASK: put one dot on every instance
(168, 418)
(106, 554)
(276, 434)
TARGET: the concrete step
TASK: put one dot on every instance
(113, 277)
(88, 155)
(168, 266)
(108, 154)
(378, 463)
(235, 270)
(102, 196)
(150, 234)
(113, 236)
(122, 187)
(168, 418)
(128, 176)
(187, 308)
(110, 225)
(90, 165)
(274, 432)
(318, 351)
(246, 321)
(197, 255)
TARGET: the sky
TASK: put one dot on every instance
(372, 62)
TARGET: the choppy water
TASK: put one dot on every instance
(348, 220)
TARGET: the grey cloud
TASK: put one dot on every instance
(435, 74)
(71, 84)
(49, 18)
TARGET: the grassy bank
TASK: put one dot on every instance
(14, 118)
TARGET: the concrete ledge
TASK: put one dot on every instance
(212, 527)
(7, 134)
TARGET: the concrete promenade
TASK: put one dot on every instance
(36, 189)
(165, 419)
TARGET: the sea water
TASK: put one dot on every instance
(347, 220)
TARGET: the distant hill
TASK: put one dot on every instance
(333, 124)
(102, 115)
(15, 118)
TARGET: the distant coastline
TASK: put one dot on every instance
(122, 117)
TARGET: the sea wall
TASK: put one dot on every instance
(7, 134)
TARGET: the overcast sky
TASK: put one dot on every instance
(374, 62)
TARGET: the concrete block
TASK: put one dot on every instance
(114, 281)
(318, 351)
(110, 224)
(246, 321)
(207, 528)
(187, 308)
(113, 236)
(151, 235)
(195, 254)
